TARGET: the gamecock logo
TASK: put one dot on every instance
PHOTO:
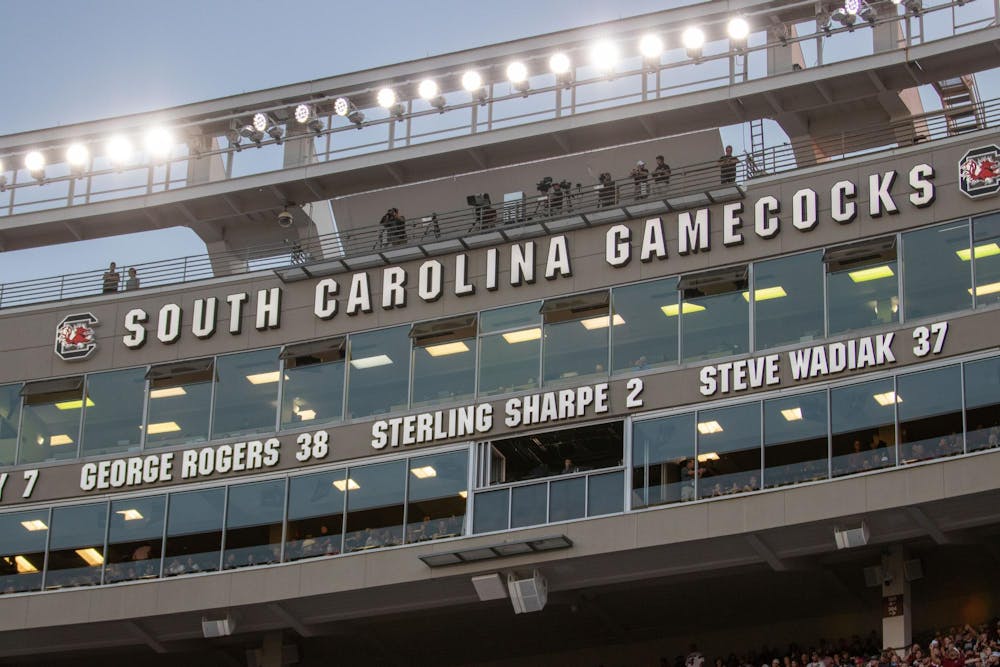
(979, 172)
(75, 338)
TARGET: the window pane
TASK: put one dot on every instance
(982, 403)
(253, 523)
(729, 450)
(194, 531)
(930, 414)
(938, 276)
(10, 412)
(527, 505)
(986, 235)
(438, 492)
(576, 349)
(715, 326)
(178, 410)
(50, 427)
(313, 394)
(246, 393)
(604, 494)
(864, 431)
(795, 442)
(491, 511)
(788, 298)
(567, 498)
(22, 550)
(375, 506)
(647, 338)
(76, 550)
(667, 446)
(135, 539)
(512, 317)
(509, 362)
(112, 419)
(865, 296)
(315, 514)
(556, 453)
(444, 372)
(379, 372)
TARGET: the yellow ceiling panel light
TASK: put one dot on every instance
(873, 273)
(792, 414)
(982, 250)
(91, 556)
(444, 349)
(766, 293)
(167, 392)
(264, 378)
(34, 524)
(344, 485)
(523, 335)
(74, 404)
(601, 322)
(674, 309)
(707, 428)
(424, 472)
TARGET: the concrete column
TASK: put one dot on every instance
(204, 169)
(896, 618)
(887, 36)
(782, 59)
(269, 654)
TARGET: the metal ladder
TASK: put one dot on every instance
(755, 160)
(960, 99)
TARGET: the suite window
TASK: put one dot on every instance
(714, 314)
(646, 335)
(313, 392)
(194, 532)
(76, 547)
(509, 349)
(729, 451)
(575, 344)
(246, 393)
(436, 497)
(444, 360)
(375, 500)
(938, 270)
(982, 404)
(491, 512)
(379, 373)
(135, 539)
(180, 400)
(862, 285)
(986, 251)
(605, 494)
(50, 420)
(315, 514)
(22, 550)
(567, 499)
(788, 300)
(560, 452)
(253, 523)
(864, 432)
(930, 414)
(112, 413)
(796, 447)
(528, 505)
(664, 463)
(10, 414)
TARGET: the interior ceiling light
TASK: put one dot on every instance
(874, 273)
(693, 40)
(522, 335)
(738, 29)
(77, 156)
(792, 414)
(604, 55)
(344, 485)
(159, 143)
(651, 46)
(672, 310)
(709, 427)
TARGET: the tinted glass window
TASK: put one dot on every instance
(567, 499)
(938, 276)
(863, 296)
(179, 409)
(561, 452)
(246, 393)
(315, 514)
(646, 336)
(577, 348)
(717, 325)
(194, 532)
(375, 496)
(76, 550)
(444, 372)
(604, 493)
(986, 235)
(510, 318)
(491, 511)
(112, 419)
(795, 439)
(135, 539)
(788, 300)
(510, 361)
(253, 523)
(864, 432)
(930, 414)
(437, 496)
(10, 412)
(982, 403)
(313, 394)
(50, 426)
(663, 460)
(729, 450)
(22, 550)
(527, 505)
(379, 373)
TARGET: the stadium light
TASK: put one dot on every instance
(472, 82)
(912, 6)
(344, 107)
(431, 92)
(847, 14)
(77, 156)
(260, 122)
(159, 143)
(651, 47)
(517, 74)
(388, 100)
(3, 178)
(738, 30)
(119, 150)
(233, 137)
(34, 162)
(561, 66)
(252, 133)
(604, 56)
(693, 40)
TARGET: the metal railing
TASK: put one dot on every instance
(508, 220)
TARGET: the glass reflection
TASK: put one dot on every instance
(194, 532)
(50, 425)
(135, 539)
(930, 414)
(253, 523)
(313, 392)
(509, 362)
(941, 275)
(982, 403)
(986, 256)
(577, 348)
(788, 300)
(716, 325)
(315, 515)
(438, 488)
(246, 393)
(76, 549)
(179, 405)
(22, 550)
(112, 418)
(10, 412)
(444, 372)
(729, 450)
(647, 336)
(864, 431)
(375, 506)
(663, 460)
(795, 440)
(379, 373)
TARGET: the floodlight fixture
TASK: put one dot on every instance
(344, 107)
(562, 67)
(651, 46)
(693, 39)
(847, 14)
(388, 100)
(823, 18)
(867, 13)
(472, 82)
(738, 29)
(119, 150)
(914, 6)
(517, 74)
(77, 157)
(303, 112)
(604, 55)
(233, 137)
(3, 178)
(276, 132)
(431, 92)
(159, 142)
(252, 133)
(260, 122)
(34, 162)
